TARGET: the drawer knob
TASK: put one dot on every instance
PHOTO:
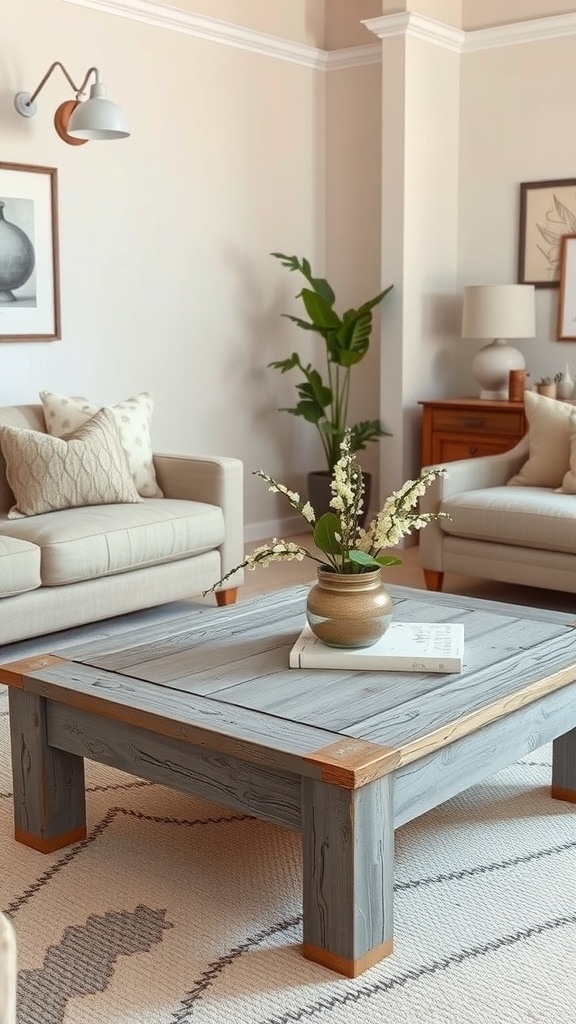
(472, 449)
(474, 422)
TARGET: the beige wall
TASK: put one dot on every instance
(516, 101)
(166, 278)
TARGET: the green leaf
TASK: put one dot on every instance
(362, 558)
(362, 433)
(325, 534)
(319, 310)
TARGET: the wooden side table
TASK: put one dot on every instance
(465, 428)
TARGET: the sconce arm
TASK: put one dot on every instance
(25, 102)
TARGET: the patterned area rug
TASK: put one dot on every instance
(175, 911)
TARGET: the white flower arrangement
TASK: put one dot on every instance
(347, 547)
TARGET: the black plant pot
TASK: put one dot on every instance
(319, 493)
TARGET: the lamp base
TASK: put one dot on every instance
(495, 396)
(491, 367)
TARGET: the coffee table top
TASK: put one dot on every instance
(224, 672)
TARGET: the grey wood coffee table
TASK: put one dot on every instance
(206, 703)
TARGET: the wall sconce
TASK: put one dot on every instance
(78, 121)
(498, 311)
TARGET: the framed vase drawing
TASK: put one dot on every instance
(29, 266)
(547, 213)
(567, 299)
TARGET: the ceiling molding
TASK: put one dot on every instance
(536, 31)
(353, 57)
(212, 29)
(416, 26)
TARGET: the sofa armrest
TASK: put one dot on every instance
(474, 474)
(217, 480)
(464, 475)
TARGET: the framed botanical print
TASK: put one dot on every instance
(547, 213)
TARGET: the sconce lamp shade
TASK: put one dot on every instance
(78, 121)
(98, 117)
(499, 312)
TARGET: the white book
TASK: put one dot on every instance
(405, 647)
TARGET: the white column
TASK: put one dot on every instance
(420, 117)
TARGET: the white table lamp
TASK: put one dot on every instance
(498, 311)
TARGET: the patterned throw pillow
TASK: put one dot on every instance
(133, 417)
(46, 473)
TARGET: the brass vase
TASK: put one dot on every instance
(349, 609)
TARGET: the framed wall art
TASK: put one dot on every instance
(29, 271)
(567, 301)
(547, 213)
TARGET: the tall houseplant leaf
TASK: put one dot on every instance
(324, 401)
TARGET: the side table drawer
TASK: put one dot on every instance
(465, 422)
(448, 449)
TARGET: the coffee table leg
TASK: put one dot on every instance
(564, 767)
(348, 868)
(49, 794)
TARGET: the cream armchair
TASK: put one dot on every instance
(524, 535)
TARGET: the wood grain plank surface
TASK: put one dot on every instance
(243, 733)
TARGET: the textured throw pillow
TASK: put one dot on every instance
(64, 414)
(549, 439)
(569, 481)
(46, 473)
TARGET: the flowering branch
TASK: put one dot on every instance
(346, 546)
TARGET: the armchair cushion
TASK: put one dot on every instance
(532, 517)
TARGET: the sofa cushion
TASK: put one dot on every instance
(549, 439)
(47, 473)
(82, 543)
(19, 566)
(133, 417)
(533, 517)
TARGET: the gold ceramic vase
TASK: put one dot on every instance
(349, 609)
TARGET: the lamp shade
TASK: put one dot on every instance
(98, 117)
(498, 311)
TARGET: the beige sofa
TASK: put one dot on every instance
(64, 568)
(520, 534)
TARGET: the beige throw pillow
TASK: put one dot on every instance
(569, 481)
(549, 439)
(46, 473)
(133, 417)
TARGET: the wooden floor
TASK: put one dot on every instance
(409, 574)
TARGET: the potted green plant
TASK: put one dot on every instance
(324, 401)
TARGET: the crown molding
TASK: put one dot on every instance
(353, 57)
(176, 19)
(417, 26)
(536, 31)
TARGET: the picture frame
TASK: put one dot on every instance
(567, 298)
(29, 254)
(547, 213)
